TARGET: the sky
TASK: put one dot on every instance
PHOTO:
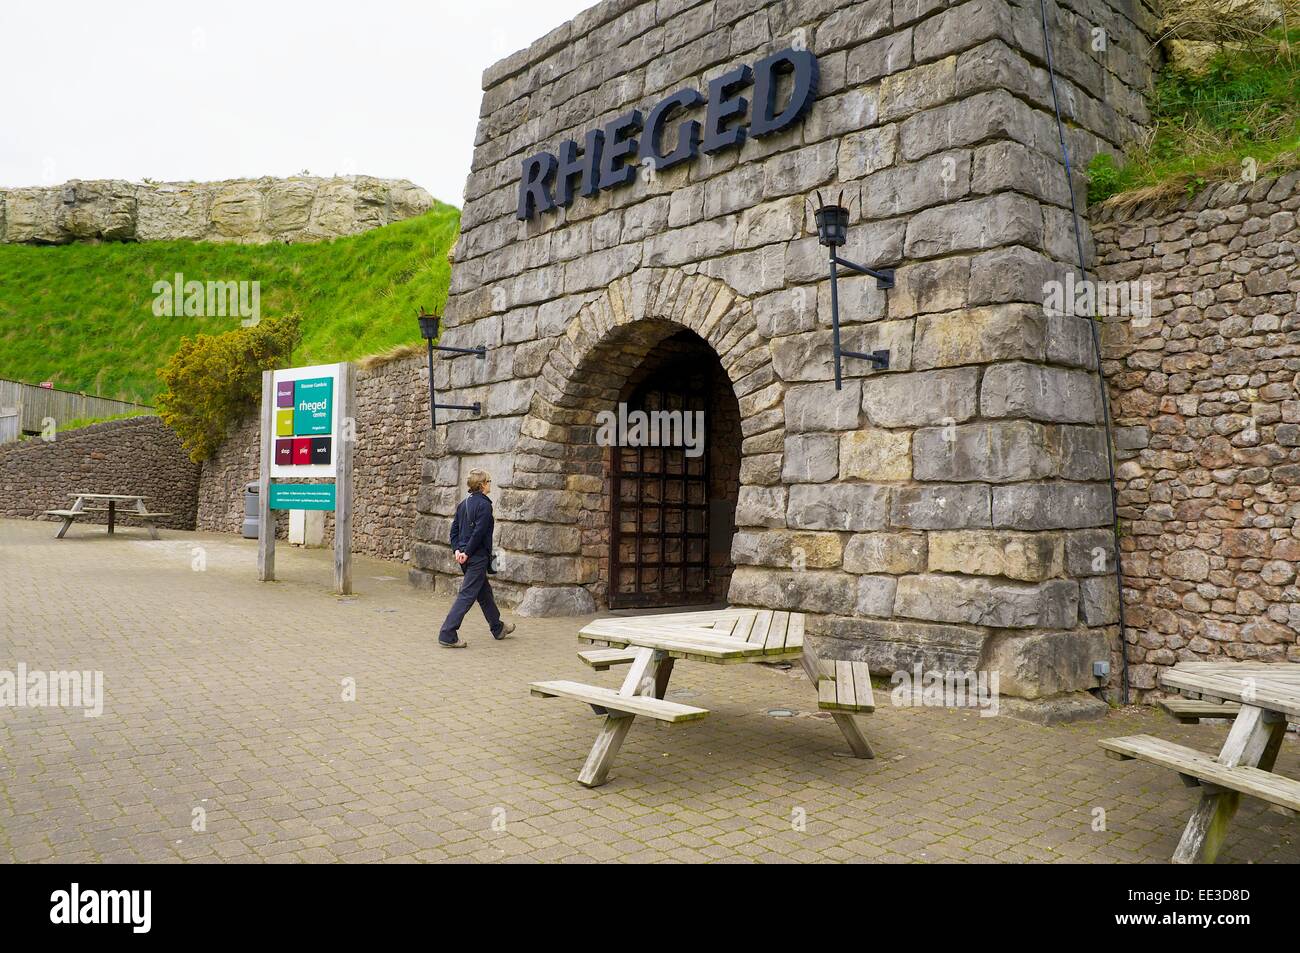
(224, 89)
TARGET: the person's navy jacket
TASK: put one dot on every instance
(471, 527)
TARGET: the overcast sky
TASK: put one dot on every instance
(231, 88)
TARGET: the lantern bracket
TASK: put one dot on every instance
(832, 221)
(429, 324)
(884, 276)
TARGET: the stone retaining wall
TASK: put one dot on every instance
(943, 508)
(392, 425)
(1208, 412)
(133, 455)
(253, 211)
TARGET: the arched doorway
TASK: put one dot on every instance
(673, 487)
(555, 519)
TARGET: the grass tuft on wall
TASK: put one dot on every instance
(1238, 117)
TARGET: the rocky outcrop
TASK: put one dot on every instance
(1193, 32)
(1222, 20)
(249, 211)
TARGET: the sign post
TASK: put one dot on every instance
(266, 528)
(343, 481)
(308, 432)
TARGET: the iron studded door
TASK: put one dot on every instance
(660, 513)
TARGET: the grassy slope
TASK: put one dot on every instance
(1246, 105)
(82, 315)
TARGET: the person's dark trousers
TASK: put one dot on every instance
(473, 588)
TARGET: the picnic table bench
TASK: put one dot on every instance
(1261, 698)
(1190, 711)
(652, 644)
(107, 503)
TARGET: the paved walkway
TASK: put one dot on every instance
(225, 711)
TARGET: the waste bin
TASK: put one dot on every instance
(250, 511)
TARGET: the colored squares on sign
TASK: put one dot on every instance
(320, 450)
(284, 394)
(313, 403)
(301, 451)
(284, 422)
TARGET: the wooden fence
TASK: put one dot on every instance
(25, 408)
(9, 429)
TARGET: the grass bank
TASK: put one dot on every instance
(83, 317)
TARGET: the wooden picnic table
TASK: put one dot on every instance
(1260, 697)
(86, 503)
(652, 644)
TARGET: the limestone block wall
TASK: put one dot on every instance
(251, 211)
(392, 416)
(133, 455)
(945, 505)
(1205, 397)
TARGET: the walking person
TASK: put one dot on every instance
(471, 544)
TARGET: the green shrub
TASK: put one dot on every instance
(1103, 178)
(214, 379)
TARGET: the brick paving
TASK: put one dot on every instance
(224, 697)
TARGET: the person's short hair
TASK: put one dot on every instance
(476, 479)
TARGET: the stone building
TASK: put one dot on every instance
(952, 510)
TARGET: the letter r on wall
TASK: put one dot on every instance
(534, 185)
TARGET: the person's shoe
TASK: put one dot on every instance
(506, 629)
(458, 644)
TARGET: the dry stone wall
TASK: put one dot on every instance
(1208, 412)
(942, 508)
(138, 455)
(251, 211)
(392, 427)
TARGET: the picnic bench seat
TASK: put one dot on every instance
(831, 685)
(101, 509)
(1190, 711)
(70, 516)
(615, 704)
(844, 686)
(86, 503)
(602, 659)
(1197, 768)
(120, 514)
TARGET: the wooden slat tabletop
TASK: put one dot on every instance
(1273, 686)
(677, 648)
(714, 635)
(608, 627)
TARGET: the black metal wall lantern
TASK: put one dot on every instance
(429, 330)
(832, 231)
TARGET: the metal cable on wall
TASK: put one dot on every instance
(1096, 346)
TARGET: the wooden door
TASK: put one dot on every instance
(660, 506)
